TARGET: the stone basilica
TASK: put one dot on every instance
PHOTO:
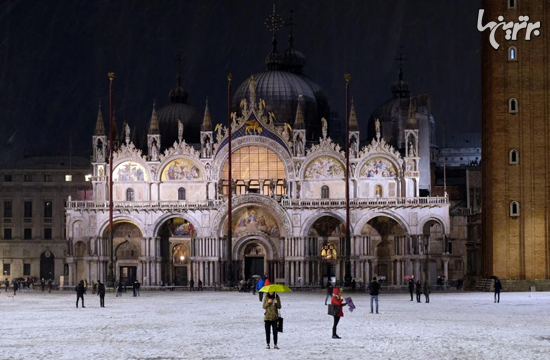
(288, 185)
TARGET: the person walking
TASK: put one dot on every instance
(353, 285)
(191, 285)
(418, 288)
(255, 282)
(498, 288)
(119, 289)
(134, 288)
(330, 288)
(200, 285)
(411, 288)
(138, 286)
(80, 293)
(337, 301)
(374, 290)
(259, 285)
(50, 286)
(15, 287)
(42, 284)
(271, 305)
(101, 293)
(94, 287)
(85, 285)
(7, 284)
(427, 289)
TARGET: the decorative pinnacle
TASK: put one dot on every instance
(179, 59)
(347, 77)
(274, 21)
(400, 58)
(290, 24)
(229, 77)
(111, 76)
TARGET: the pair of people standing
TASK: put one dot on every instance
(426, 289)
(260, 284)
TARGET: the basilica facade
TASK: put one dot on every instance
(288, 193)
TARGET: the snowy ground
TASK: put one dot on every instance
(224, 325)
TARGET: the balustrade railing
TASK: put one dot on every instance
(203, 204)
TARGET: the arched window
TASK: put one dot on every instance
(325, 192)
(514, 157)
(514, 209)
(130, 194)
(181, 193)
(328, 252)
(512, 53)
(513, 106)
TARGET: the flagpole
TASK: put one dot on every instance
(347, 276)
(111, 274)
(229, 272)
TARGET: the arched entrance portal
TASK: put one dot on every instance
(47, 266)
(254, 260)
(330, 233)
(175, 242)
(387, 238)
(127, 239)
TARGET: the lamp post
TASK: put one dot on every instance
(111, 274)
(427, 252)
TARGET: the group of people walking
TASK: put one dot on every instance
(417, 287)
(26, 284)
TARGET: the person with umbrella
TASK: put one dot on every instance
(271, 305)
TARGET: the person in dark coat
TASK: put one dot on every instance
(411, 288)
(119, 289)
(374, 290)
(498, 288)
(191, 285)
(15, 287)
(80, 293)
(134, 287)
(7, 284)
(418, 288)
(200, 285)
(138, 286)
(330, 288)
(353, 285)
(101, 293)
(427, 289)
(337, 300)
(42, 284)
(49, 285)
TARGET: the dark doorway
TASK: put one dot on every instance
(47, 266)
(253, 266)
(128, 274)
(181, 275)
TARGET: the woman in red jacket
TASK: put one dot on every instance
(337, 301)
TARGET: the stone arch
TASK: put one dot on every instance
(121, 219)
(159, 222)
(320, 154)
(137, 160)
(79, 232)
(280, 214)
(310, 221)
(253, 140)
(386, 157)
(268, 245)
(369, 216)
(425, 220)
(80, 249)
(193, 159)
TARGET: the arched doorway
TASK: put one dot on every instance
(254, 260)
(80, 251)
(330, 233)
(175, 241)
(47, 266)
(388, 240)
(127, 238)
(180, 261)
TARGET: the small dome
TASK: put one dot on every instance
(168, 117)
(178, 95)
(293, 61)
(400, 88)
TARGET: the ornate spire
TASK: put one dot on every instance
(400, 88)
(273, 23)
(290, 24)
(207, 119)
(99, 124)
(353, 125)
(299, 123)
(178, 95)
(154, 122)
(412, 122)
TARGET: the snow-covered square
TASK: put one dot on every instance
(229, 325)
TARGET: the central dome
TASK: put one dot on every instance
(178, 109)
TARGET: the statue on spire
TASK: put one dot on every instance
(325, 127)
(377, 127)
(180, 130)
(252, 91)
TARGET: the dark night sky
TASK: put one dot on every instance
(55, 55)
